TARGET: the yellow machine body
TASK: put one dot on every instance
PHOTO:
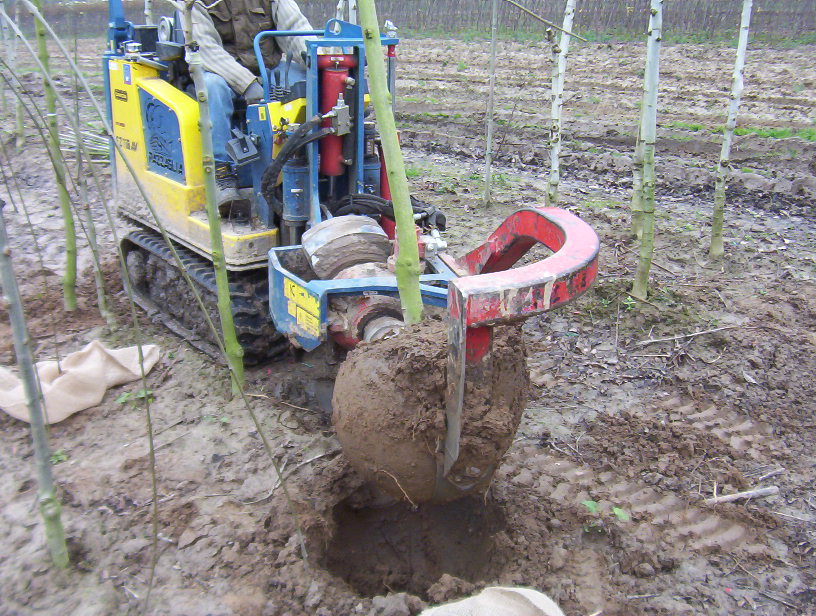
(156, 126)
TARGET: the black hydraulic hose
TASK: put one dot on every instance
(373, 205)
(295, 141)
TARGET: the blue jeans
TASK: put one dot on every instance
(222, 104)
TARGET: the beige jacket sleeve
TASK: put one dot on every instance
(287, 16)
(215, 58)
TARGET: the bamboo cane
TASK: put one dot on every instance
(233, 351)
(716, 249)
(560, 52)
(491, 103)
(648, 132)
(50, 508)
(407, 265)
(70, 275)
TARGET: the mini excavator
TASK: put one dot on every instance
(308, 253)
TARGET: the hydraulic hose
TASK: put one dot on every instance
(373, 205)
(295, 141)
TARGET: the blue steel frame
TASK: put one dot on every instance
(337, 34)
(320, 290)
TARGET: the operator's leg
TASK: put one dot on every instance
(222, 104)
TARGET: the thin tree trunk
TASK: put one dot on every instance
(637, 185)
(648, 133)
(560, 52)
(70, 275)
(10, 49)
(717, 250)
(407, 266)
(4, 37)
(148, 12)
(19, 125)
(233, 349)
(491, 104)
(50, 507)
(84, 201)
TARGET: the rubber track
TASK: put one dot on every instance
(168, 293)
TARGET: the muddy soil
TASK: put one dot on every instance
(638, 411)
(393, 432)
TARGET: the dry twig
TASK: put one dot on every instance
(749, 494)
(684, 336)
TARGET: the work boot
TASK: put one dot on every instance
(226, 185)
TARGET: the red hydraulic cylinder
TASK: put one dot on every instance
(334, 79)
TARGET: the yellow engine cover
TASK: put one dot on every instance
(157, 128)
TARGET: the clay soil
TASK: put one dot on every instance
(638, 411)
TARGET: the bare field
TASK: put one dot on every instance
(641, 408)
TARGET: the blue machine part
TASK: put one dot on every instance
(258, 127)
(162, 138)
(296, 192)
(371, 175)
(337, 34)
(300, 308)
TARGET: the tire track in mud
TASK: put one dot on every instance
(650, 462)
(676, 520)
(737, 431)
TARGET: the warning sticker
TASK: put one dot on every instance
(302, 298)
(309, 322)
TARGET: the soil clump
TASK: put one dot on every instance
(389, 411)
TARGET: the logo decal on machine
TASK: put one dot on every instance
(120, 95)
(162, 138)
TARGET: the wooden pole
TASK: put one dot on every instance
(50, 507)
(407, 266)
(560, 52)
(717, 250)
(491, 103)
(233, 351)
(648, 132)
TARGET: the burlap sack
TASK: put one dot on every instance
(500, 601)
(86, 376)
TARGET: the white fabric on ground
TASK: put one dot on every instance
(86, 376)
(499, 601)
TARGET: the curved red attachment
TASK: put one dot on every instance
(494, 293)
(489, 293)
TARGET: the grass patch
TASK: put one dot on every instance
(685, 125)
(808, 134)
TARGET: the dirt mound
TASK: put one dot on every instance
(389, 411)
